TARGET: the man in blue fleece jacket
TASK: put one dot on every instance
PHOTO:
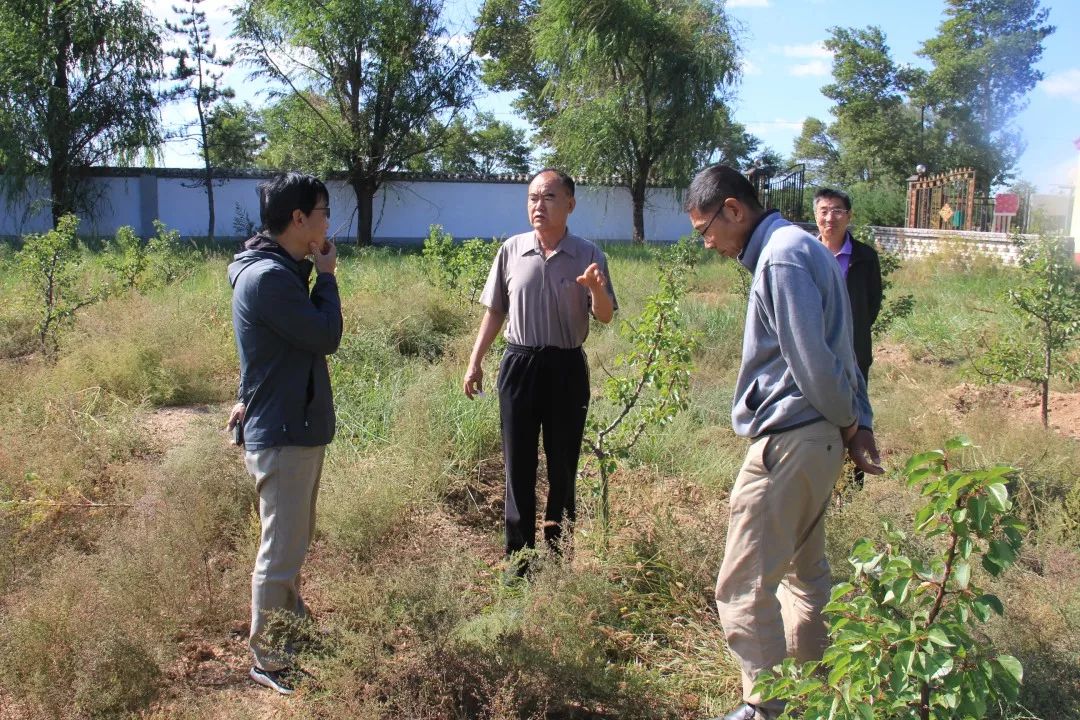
(800, 399)
(285, 409)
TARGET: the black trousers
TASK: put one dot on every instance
(541, 388)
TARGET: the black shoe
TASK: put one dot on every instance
(283, 680)
(746, 711)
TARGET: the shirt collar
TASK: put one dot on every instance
(568, 245)
(845, 249)
(752, 249)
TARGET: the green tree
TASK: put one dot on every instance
(384, 68)
(77, 89)
(480, 145)
(890, 117)
(876, 130)
(623, 87)
(198, 74)
(234, 136)
(296, 135)
(461, 268)
(1048, 303)
(731, 144)
(904, 640)
(984, 58)
(652, 384)
(817, 147)
(49, 267)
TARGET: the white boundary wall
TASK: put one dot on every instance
(403, 208)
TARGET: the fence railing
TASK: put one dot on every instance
(782, 191)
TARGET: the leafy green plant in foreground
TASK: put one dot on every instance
(904, 642)
(655, 384)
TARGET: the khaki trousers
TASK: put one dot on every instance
(775, 581)
(287, 479)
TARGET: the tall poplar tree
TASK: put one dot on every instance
(985, 56)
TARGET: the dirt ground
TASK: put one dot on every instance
(1020, 404)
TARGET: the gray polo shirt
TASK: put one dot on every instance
(542, 300)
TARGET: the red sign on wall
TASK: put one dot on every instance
(1006, 204)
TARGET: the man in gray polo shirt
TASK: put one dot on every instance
(546, 283)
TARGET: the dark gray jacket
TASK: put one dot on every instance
(283, 336)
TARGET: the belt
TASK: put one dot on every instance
(539, 349)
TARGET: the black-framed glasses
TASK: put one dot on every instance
(709, 224)
(324, 207)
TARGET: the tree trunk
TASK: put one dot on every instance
(365, 200)
(209, 178)
(637, 193)
(58, 114)
(210, 202)
(1047, 354)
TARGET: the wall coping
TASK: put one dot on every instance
(394, 176)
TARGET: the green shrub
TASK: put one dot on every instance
(461, 269)
(49, 264)
(902, 637)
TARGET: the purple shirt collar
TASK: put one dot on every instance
(844, 256)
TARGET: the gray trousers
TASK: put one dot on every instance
(287, 479)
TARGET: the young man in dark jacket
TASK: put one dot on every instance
(285, 408)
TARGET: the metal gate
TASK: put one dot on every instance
(945, 201)
(781, 191)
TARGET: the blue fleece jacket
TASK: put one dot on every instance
(283, 336)
(798, 365)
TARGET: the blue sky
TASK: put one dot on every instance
(785, 65)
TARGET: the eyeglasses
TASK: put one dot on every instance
(709, 224)
(324, 207)
(831, 212)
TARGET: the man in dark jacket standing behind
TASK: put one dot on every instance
(859, 265)
(861, 269)
(285, 407)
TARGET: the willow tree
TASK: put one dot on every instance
(630, 88)
(77, 89)
(384, 67)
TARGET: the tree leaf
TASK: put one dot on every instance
(938, 636)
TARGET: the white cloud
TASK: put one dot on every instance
(1065, 83)
(749, 68)
(809, 50)
(813, 68)
(747, 3)
(779, 126)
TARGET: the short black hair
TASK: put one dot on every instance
(566, 180)
(831, 194)
(715, 184)
(279, 196)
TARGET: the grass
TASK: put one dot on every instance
(123, 550)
